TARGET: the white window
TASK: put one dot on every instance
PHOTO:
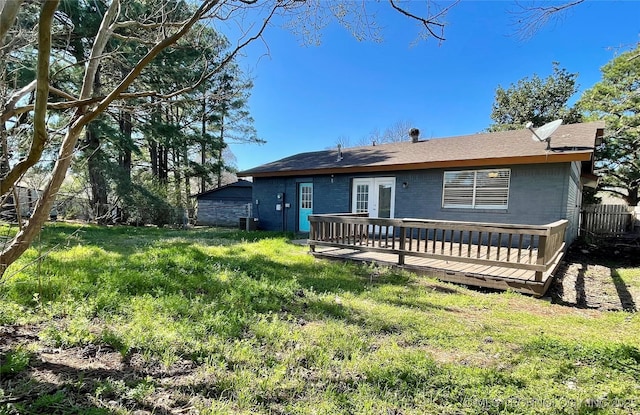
(362, 198)
(306, 197)
(476, 189)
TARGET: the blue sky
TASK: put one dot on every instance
(306, 97)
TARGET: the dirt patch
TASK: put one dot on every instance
(70, 378)
(588, 277)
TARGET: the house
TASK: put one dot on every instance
(501, 177)
(225, 205)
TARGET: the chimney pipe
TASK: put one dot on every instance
(414, 133)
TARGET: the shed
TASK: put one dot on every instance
(225, 205)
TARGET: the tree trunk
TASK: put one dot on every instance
(125, 153)
(187, 178)
(124, 163)
(175, 156)
(95, 165)
(203, 144)
(4, 152)
(153, 156)
(632, 199)
(221, 147)
(163, 163)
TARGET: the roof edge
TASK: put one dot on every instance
(234, 184)
(497, 161)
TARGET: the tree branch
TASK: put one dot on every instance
(7, 111)
(426, 22)
(42, 93)
(10, 111)
(8, 13)
(142, 63)
(133, 23)
(104, 33)
(75, 103)
(532, 18)
(614, 191)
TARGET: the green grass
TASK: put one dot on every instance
(264, 328)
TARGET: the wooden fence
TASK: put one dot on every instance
(607, 220)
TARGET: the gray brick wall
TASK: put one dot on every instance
(264, 202)
(539, 194)
(220, 213)
(332, 197)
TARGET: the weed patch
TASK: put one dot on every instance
(14, 361)
(119, 320)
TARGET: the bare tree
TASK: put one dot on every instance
(530, 17)
(83, 103)
(343, 141)
(395, 133)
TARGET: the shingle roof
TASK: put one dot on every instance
(238, 183)
(573, 142)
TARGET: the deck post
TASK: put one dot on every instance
(542, 255)
(312, 235)
(403, 234)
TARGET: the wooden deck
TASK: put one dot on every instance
(518, 257)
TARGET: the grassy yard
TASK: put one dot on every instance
(141, 321)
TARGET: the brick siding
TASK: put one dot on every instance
(221, 213)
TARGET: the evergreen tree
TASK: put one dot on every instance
(616, 100)
(230, 116)
(537, 100)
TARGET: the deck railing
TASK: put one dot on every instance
(529, 247)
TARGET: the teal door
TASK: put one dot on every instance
(305, 205)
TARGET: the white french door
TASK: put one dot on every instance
(375, 195)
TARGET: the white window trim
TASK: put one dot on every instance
(474, 189)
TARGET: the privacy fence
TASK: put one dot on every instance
(607, 220)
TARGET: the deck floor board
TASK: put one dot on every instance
(447, 265)
(448, 270)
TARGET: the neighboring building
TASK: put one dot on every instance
(607, 198)
(225, 205)
(21, 200)
(502, 177)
